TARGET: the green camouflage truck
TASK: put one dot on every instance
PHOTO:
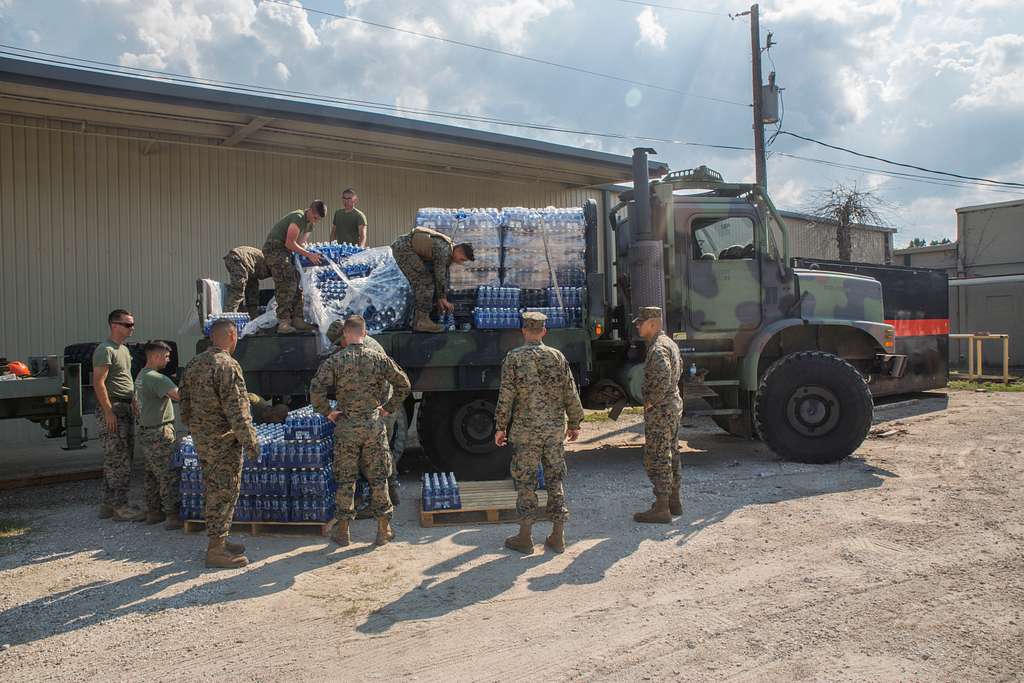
(787, 355)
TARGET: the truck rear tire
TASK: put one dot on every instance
(456, 428)
(813, 407)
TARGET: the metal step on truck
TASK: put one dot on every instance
(785, 354)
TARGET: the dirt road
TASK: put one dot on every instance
(905, 562)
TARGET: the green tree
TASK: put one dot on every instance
(935, 243)
(917, 242)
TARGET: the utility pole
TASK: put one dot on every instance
(760, 165)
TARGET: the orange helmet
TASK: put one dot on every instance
(18, 368)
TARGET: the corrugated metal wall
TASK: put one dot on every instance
(813, 240)
(92, 220)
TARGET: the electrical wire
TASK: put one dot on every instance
(513, 55)
(1001, 183)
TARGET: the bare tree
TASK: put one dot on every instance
(845, 206)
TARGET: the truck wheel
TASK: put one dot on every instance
(456, 429)
(813, 407)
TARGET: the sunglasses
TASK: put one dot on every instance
(118, 322)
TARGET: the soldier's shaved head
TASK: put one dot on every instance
(224, 334)
(354, 329)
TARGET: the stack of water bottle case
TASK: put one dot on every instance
(525, 260)
(291, 480)
(440, 491)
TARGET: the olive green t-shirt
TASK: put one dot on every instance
(279, 232)
(151, 389)
(119, 378)
(346, 225)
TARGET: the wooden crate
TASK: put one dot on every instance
(256, 528)
(483, 502)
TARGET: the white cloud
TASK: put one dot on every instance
(413, 98)
(651, 31)
(998, 73)
(508, 21)
(838, 11)
(283, 72)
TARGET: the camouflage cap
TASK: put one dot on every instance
(533, 320)
(647, 313)
(334, 331)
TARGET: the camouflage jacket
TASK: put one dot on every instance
(662, 370)
(441, 251)
(253, 261)
(360, 379)
(214, 401)
(537, 392)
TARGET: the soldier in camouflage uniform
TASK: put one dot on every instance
(154, 436)
(288, 237)
(412, 252)
(115, 397)
(396, 423)
(247, 267)
(663, 408)
(538, 389)
(215, 406)
(360, 379)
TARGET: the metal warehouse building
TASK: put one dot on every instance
(119, 192)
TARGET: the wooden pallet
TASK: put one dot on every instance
(483, 502)
(193, 526)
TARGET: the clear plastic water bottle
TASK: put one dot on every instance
(456, 495)
(428, 493)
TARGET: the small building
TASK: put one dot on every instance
(937, 257)
(813, 237)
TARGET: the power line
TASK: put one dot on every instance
(896, 163)
(513, 55)
(673, 8)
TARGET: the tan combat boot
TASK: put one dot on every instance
(301, 325)
(384, 531)
(424, 324)
(675, 505)
(523, 541)
(556, 541)
(233, 548)
(174, 522)
(128, 513)
(284, 327)
(218, 557)
(658, 514)
(340, 534)
(155, 517)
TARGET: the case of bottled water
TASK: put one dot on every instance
(541, 246)
(332, 251)
(239, 319)
(440, 491)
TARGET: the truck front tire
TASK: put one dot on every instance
(456, 428)
(813, 407)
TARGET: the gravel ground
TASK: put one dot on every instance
(904, 562)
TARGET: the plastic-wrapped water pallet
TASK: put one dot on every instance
(239, 319)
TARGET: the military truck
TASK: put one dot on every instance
(785, 354)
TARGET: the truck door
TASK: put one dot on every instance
(723, 277)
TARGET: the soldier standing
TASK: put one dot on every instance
(115, 394)
(396, 432)
(538, 388)
(215, 406)
(360, 379)
(247, 267)
(349, 224)
(154, 392)
(663, 407)
(287, 237)
(412, 252)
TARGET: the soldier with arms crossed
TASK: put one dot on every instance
(154, 392)
(538, 389)
(215, 406)
(360, 379)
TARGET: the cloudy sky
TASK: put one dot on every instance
(938, 83)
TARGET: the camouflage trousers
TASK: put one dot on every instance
(362, 446)
(244, 286)
(287, 292)
(527, 457)
(162, 483)
(420, 279)
(661, 455)
(220, 456)
(118, 449)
